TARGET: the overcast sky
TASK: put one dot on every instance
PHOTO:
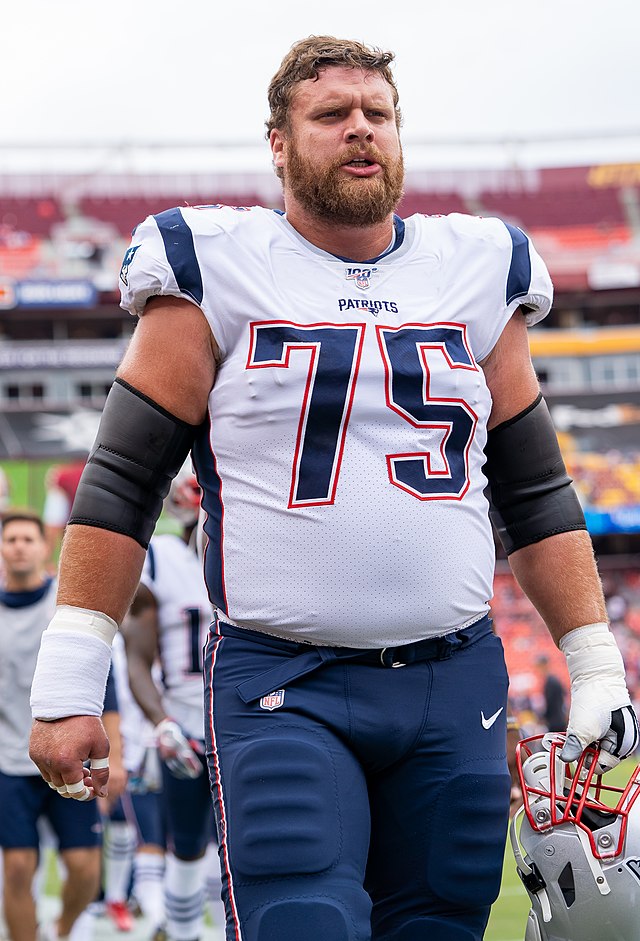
(171, 71)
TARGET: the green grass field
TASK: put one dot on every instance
(509, 914)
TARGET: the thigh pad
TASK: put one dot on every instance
(283, 813)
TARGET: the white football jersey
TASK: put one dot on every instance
(342, 464)
(23, 617)
(135, 729)
(173, 573)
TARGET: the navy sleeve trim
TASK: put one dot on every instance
(151, 557)
(519, 277)
(181, 253)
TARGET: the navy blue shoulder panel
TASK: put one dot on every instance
(181, 253)
(519, 277)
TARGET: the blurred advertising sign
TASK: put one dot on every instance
(76, 293)
(625, 519)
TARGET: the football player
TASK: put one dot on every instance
(347, 382)
(27, 602)
(169, 621)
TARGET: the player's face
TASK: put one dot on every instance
(341, 155)
(23, 549)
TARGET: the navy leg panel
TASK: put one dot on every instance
(439, 817)
(296, 825)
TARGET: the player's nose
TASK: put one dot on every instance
(358, 127)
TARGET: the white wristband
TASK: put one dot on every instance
(73, 664)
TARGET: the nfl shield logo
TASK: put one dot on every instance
(273, 700)
(361, 277)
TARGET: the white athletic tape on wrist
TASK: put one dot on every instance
(83, 621)
(598, 686)
(73, 664)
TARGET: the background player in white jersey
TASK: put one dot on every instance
(27, 602)
(169, 620)
(134, 842)
(348, 383)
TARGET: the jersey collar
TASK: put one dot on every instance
(395, 244)
(22, 599)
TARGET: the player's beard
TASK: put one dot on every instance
(333, 195)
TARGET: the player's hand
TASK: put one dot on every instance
(176, 751)
(60, 748)
(619, 740)
(601, 712)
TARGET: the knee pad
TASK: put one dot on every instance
(311, 919)
(436, 929)
(282, 805)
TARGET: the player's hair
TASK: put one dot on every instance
(305, 59)
(22, 515)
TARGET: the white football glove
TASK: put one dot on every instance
(601, 710)
(176, 751)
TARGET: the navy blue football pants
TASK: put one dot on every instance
(356, 799)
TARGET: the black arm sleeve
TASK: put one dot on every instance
(531, 494)
(139, 449)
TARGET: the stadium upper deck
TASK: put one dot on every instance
(584, 220)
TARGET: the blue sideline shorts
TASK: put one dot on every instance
(26, 798)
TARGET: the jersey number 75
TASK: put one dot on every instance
(335, 354)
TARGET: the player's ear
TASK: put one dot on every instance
(277, 142)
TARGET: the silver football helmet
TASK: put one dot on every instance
(578, 846)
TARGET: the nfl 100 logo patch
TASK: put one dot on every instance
(272, 700)
(361, 277)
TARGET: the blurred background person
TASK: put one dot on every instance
(27, 601)
(169, 621)
(553, 714)
(61, 483)
(135, 842)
